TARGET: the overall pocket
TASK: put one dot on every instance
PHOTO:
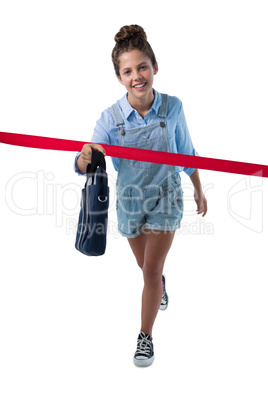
(176, 198)
(175, 195)
(150, 138)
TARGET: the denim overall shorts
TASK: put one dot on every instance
(148, 195)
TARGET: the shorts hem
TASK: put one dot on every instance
(162, 228)
(152, 227)
(131, 235)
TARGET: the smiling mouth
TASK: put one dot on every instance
(140, 86)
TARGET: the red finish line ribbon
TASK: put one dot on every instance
(167, 158)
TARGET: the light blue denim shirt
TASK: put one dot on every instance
(106, 132)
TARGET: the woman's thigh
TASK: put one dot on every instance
(137, 245)
(157, 246)
(151, 246)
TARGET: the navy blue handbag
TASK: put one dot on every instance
(93, 216)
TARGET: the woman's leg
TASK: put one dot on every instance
(138, 247)
(150, 249)
(157, 246)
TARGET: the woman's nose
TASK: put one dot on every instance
(137, 75)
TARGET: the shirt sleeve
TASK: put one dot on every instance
(75, 165)
(100, 136)
(183, 140)
(101, 130)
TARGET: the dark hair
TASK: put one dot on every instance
(131, 37)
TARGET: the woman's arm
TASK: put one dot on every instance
(199, 196)
(85, 157)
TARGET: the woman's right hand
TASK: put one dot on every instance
(86, 154)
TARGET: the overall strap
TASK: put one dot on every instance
(118, 119)
(163, 109)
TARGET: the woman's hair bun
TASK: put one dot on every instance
(128, 31)
(131, 37)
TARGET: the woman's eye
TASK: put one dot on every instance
(143, 67)
(127, 72)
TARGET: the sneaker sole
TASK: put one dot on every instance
(143, 362)
(162, 308)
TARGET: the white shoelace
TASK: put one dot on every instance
(144, 346)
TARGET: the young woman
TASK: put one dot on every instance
(149, 195)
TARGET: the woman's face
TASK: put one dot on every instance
(137, 75)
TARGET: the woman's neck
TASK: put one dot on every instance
(141, 105)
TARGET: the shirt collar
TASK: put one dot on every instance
(127, 109)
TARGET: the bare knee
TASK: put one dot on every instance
(152, 272)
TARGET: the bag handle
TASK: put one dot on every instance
(97, 159)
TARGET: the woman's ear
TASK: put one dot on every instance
(155, 68)
(119, 79)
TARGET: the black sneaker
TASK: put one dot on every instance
(144, 355)
(164, 302)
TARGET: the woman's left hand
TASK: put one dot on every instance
(201, 202)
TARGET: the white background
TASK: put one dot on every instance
(69, 323)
